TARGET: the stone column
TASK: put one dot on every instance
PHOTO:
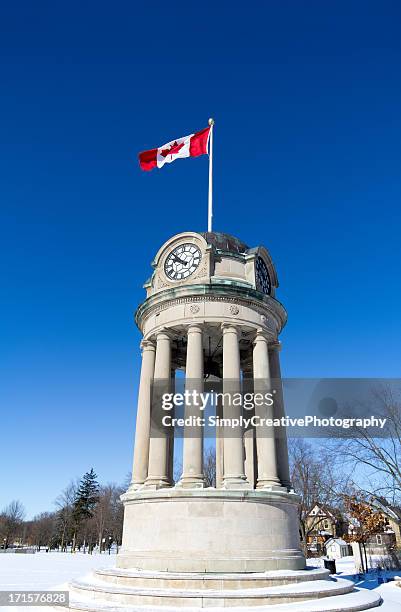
(234, 476)
(283, 468)
(219, 448)
(171, 437)
(142, 430)
(249, 433)
(265, 441)
(192, 476)
(158, 476)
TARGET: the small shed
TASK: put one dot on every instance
(336, 548)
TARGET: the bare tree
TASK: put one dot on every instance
(65, 507)
(374, 463)
(11, 522)
(209, 466)
(103, 512)
(315, 481)
(43, 530)
(117, 515)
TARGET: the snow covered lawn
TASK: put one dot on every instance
(47, 570)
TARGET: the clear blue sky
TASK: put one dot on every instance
(307, 102)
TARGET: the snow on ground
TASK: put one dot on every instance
(391, 595)
(47, 571)
(389, 591)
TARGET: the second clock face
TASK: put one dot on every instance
(182, 261)
(262, 277)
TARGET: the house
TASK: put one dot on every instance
(388, 540)
(323, 523)
(336, 548)
(392, 516)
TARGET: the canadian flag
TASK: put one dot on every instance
(187, 146)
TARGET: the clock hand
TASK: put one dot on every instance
(181, 261)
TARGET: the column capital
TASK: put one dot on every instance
(194, 328)
(147, 345)
(163, 334)
(261, 336)
(229, 328)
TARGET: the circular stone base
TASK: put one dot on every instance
(210, 530)
(311, 590)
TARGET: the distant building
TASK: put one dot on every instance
(323, 523)
(389, 539)
(392, 516)
(336, 548)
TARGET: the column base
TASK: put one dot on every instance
(271, 487)
(191, 482)
(235, 483)
(270, 484)
(135, 486)
(154, 484)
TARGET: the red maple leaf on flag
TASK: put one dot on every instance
(173, 150)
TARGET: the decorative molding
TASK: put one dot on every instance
(274, 317)
(194, 308)
(160, 282)
(147, 345)
(234, 309)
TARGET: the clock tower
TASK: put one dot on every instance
(211, 308)
(211, 313)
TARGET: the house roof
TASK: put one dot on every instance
(322, 510)
(393, 512)
(338, 541)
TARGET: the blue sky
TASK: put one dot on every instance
(306, 98)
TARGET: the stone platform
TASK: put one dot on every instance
(309, 590)
(210, 530)
(216, 549)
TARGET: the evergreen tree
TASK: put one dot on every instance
(86, 498)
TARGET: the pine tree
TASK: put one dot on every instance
(86, 498)
(87, 495)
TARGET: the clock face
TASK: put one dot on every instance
(182, 262)
(263, 283)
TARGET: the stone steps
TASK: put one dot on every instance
(356, 601)
(211, 597)
(208, 581)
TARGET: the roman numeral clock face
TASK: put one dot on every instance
(182, 262)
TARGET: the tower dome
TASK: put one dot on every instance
(225, 243)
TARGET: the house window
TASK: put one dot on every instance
(379, 539)
(326, 525)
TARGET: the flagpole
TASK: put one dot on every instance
(210, 199)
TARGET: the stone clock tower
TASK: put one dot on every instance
(211, 312)
(210, 308)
